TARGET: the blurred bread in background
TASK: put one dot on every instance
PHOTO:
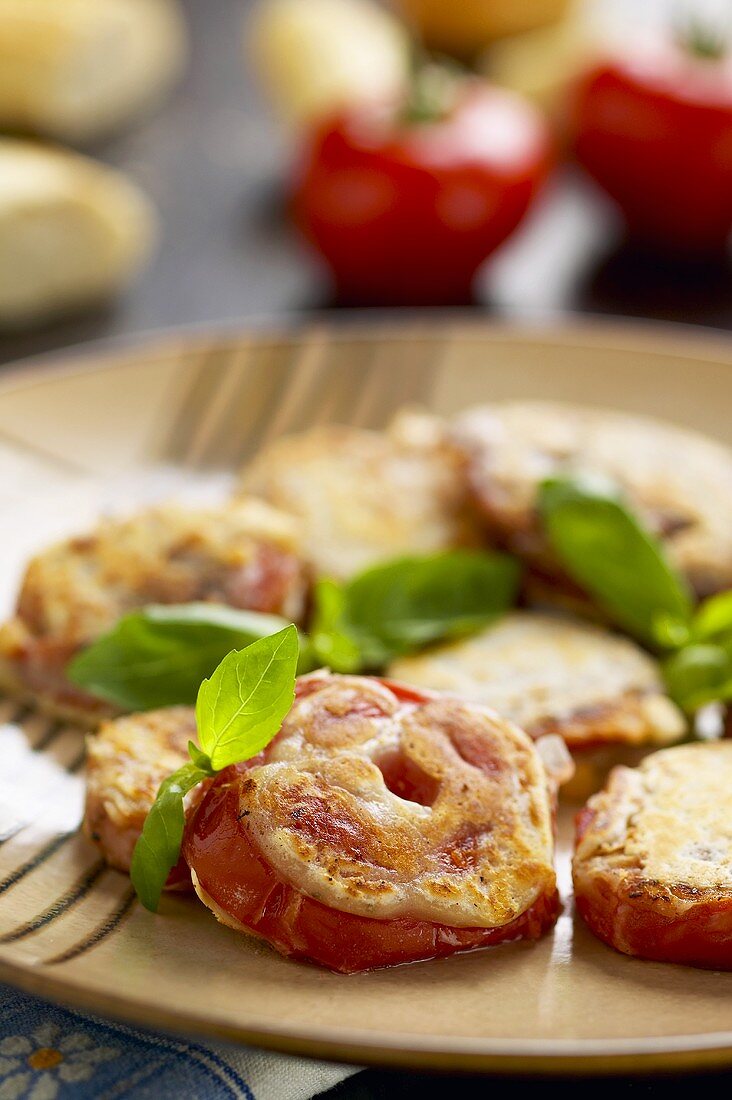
(74, 69)
(466, 27)
(542, 63)
(72, 232)
(314, 56)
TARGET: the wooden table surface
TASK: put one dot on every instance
(213, 161)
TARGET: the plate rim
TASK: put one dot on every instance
(599, 1058)
(500, 1056)
(676, 338)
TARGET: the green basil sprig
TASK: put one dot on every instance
(713, 620)
(158, 656)
(406, 604)
(604, 547)
(238, 711)
(700, 674)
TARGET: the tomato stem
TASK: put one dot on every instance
(432, 90)
(703, 40)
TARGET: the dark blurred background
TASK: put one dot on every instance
(213, 159)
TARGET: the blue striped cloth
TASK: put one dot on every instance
(50, 1053)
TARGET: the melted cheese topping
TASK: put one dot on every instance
(679, 482)
(79, 588)
(466, 841)
(363, 497)
(546, 672)
(668, 821)
(127, 760)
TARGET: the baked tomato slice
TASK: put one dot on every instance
(652, 858)
(377, 814)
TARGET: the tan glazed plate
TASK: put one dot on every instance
(110, 431)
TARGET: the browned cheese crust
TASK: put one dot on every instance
(127, 760)
(375, 806)
(653, 861)
(243, 554)
(679, 482)
(363, 496)
(552, 674)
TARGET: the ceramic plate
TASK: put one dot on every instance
(110, 431)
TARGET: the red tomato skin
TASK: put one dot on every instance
(655, 132)
(234, 874)
(640, 926)
(652, 922)
(407, 214)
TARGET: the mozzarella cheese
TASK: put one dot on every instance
(551, 674)
(667, 822)
(243, 554)
(679, 482)
(473, 849)
(127, 760)
(362, 497)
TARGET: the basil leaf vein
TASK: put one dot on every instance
(246, 698)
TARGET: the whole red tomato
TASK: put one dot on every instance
(405, 211)
(654, 129)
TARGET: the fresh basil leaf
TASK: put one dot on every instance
(330, 639)
(158, 656)
(406, 604)
(697, 675)
(713, 618)
(241, 707)
(238, 711)
(670, 632)
(201, 759)
(612, 557)
(158, 848)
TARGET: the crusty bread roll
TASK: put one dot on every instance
(542, 63)
(316, 56)
(73, 69)
(72, 231)
(466, 27)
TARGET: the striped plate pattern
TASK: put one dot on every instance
(112, 431)
(57, 899)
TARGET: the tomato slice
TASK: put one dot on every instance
(701, 937)
(246, 893)
(673, 925)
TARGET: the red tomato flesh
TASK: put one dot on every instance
(236, 877)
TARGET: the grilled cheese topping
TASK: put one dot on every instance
(667, 822)
(679, 482)
(551, 674)
(243, 554)
(387, 808)
(362, 497)
(127, 760)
